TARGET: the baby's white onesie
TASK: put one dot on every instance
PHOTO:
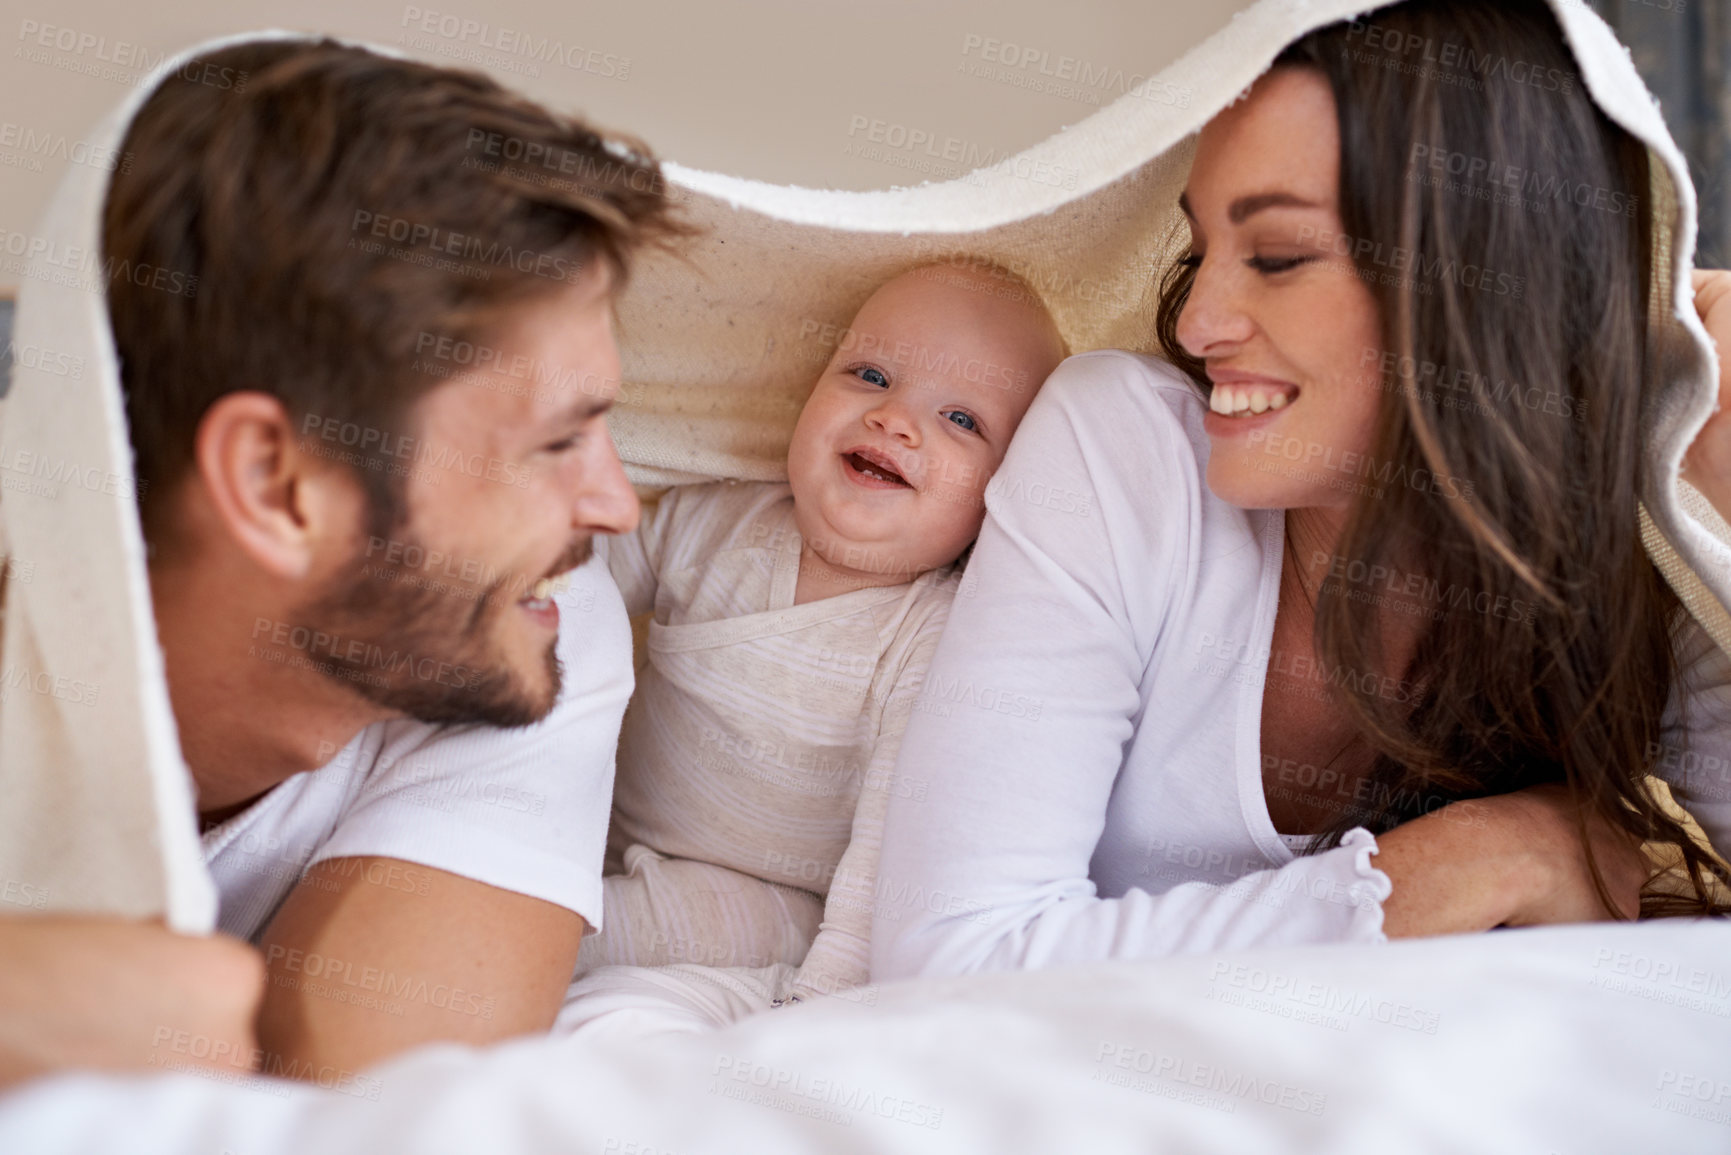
(758, 751)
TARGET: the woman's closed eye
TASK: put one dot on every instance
(1270, 266)
(1267, 266)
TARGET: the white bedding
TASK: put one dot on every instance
(1567, 1040)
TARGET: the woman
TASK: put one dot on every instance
(1361, 576)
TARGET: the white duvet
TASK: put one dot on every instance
(1583, 1039)
(1568, 1040)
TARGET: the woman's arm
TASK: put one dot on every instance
(1512, 860)
(1033, 697)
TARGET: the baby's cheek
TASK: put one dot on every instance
(953, 520)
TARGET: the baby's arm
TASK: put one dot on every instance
(840, 956)
(673, 910)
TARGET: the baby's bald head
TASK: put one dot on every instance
(980, 298)
(913, 414)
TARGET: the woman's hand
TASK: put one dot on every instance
(1566, 892)
(1707, 464)
(1512, 860)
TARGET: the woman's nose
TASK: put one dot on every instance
(1214, 320)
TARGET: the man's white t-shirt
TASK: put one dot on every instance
(524, 810)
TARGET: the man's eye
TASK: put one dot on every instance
(1271, 265)
(872, 375)
(965, 420)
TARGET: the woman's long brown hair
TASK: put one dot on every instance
(1505, 226)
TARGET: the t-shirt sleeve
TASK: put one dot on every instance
(1694, 754)
(524, 810)
(1033, 697)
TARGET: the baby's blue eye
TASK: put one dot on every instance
(872, 376)
(965, 420)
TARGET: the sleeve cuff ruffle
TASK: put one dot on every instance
(1362, 887)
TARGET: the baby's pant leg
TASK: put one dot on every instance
(664, 911)
(634, 1002)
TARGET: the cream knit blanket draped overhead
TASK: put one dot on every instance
(720, 348)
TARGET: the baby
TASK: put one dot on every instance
(792, 627)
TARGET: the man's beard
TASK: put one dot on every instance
(428, 649)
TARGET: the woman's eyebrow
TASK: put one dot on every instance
(1248, 206)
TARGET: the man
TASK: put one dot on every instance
(371, 448)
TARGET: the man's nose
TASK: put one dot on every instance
(605, 501)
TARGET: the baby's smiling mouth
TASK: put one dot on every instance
(876, 467)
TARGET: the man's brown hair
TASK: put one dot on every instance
(299, 216)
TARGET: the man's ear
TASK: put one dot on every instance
(278, 503)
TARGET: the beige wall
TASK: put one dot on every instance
(780, 90)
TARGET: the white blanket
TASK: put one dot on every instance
(1575, 1040)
